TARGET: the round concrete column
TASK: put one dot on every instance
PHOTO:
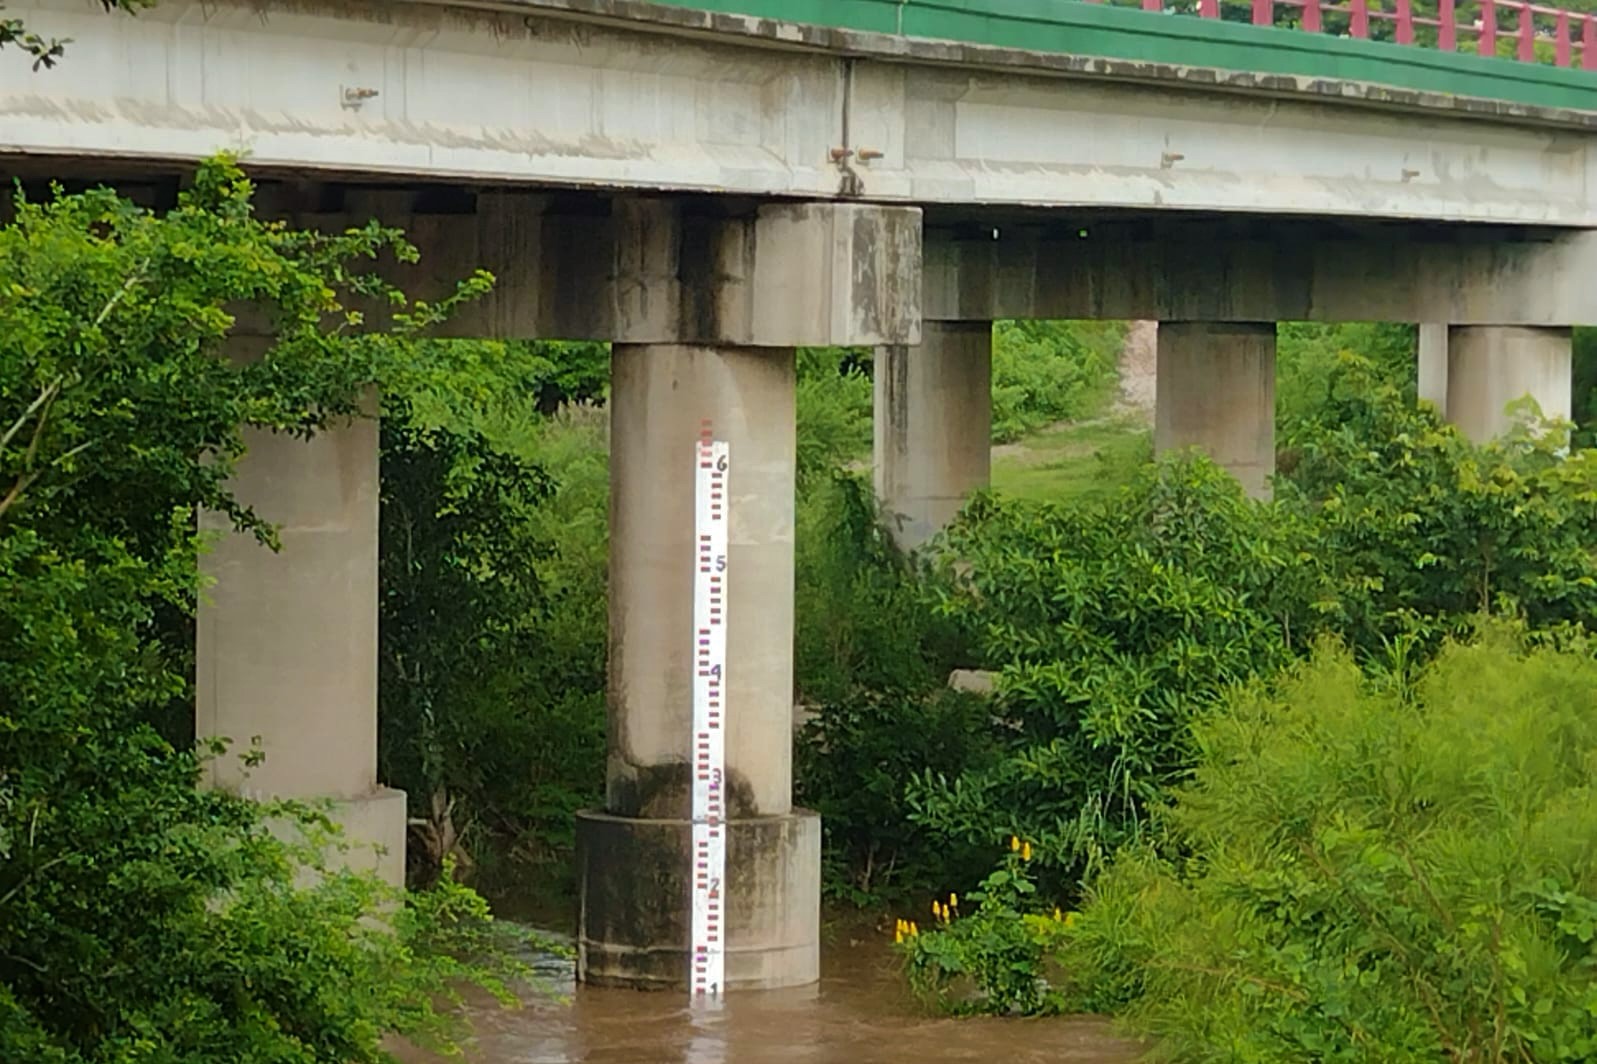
(933, 426)
(1490, 366)
(633, 859)
(287, 641)
(1216, 391)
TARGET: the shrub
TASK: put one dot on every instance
(872, 659)
(1374, 872)
(863, 616)
(1426, 528)
(460, 600)
(834, 401)
(493, 634)
(856, 759)
(1114, 627)
(1309, 363)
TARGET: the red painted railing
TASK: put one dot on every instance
(1517, 29)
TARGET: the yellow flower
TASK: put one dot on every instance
(953, 899)
(1057, 914)
(1025, 852)
(898, 936)
(914, 928)
(935, 911)
(1014, 843)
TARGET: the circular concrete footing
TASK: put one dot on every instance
(633, 918)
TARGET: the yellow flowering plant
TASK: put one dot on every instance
(995, 959)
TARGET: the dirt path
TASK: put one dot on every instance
(1138, 370)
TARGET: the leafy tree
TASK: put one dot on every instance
(141, 917)
(1048, 371)
(493, 612)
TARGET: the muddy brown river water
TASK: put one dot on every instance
(859, 1014)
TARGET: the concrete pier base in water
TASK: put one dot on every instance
(633, 919)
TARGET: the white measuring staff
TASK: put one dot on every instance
(707, 978)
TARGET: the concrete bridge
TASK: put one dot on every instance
(710, 186)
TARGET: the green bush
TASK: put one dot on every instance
(834, 400)
(1114, 626)
(856, 759)
(1372, 872)
(461, 596)
(872, 659)
(1425, 528)
(142, 918)
(863, 616)
(1309, 363)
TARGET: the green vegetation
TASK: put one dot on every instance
(46, 51)
(1049, 371)
(1388, 864)
(493, 607)
(142, 918)
(1111, 627)
(1306, 813)
(1001, 958)
(1393, 869)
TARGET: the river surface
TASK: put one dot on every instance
(859, 1014)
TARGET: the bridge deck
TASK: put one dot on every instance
(627, 94)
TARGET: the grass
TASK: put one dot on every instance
(1081, 462)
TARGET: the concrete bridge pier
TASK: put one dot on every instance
(933, 426)
(816, 274)
(1216, 391)
(286, 654)
(636, 853)
(1490, 366)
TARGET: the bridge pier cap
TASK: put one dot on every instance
(666, 269)
(750, 291)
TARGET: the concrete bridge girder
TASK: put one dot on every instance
(1204, 273)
